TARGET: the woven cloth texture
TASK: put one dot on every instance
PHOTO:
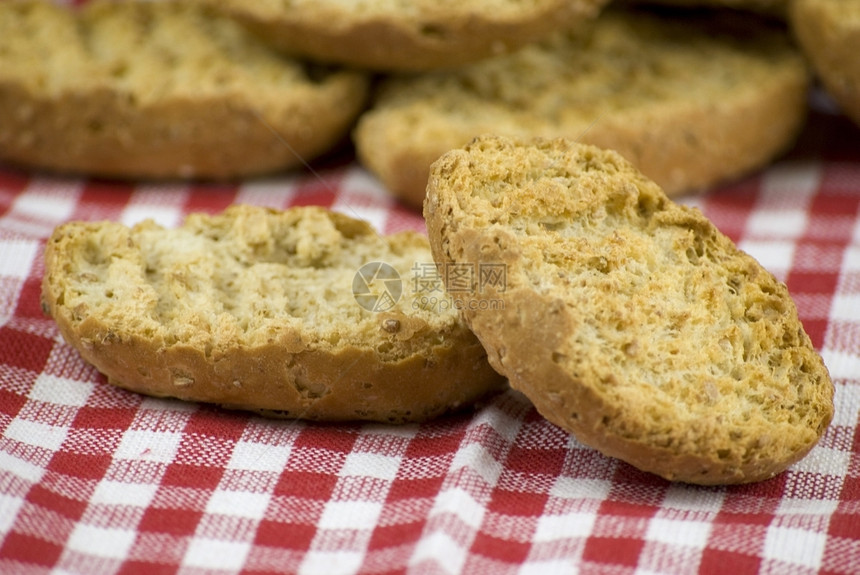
(96, 480)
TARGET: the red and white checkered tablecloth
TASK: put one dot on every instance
(95, 480)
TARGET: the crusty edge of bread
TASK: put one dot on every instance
(104, 133)
(391, 45)
(281, 378)
(685, 151)
(509, 333)
(831, 48)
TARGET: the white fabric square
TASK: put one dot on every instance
(777, 224)
(678, 532)
(574, 488)
(457, 502)
(842, 365)
(27, 471)
(798, 506)
(555, 527)
(331, 562)
(775, 256)
(42, 200)
(36, 433)
(350, 515)
(547, 567)
(825, 460)
(109, 492)
(797, 546)
(268, 192)
(16, 257)
(158, 446)
(61, 391)
(846, 307)
(439, 547)
(216, 555)
(370, 465)
(9, 507)
(167, 216)
(101, 541)
(259, 457)
(364, 183)
(682, 498)
(238, 503)
(478, 459)
(793, 182)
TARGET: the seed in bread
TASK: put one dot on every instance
(828, 31)
(690, 101)
(386, 35)
(160, 90)
(627, 319)
(255, 309)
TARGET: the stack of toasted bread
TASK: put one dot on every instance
(542, 139)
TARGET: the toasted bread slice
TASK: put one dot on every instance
(627, 319)
(691, 101)
(387, 35)
(258, 309)
(160, 90)
(828, 31)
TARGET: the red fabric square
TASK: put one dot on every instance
(177, 522)
(718, 562)
(11, 402)
(816, 329)
(30, 550)
(43, 497)
(214, 422)
(196, 476)
(30, 299)
(332, 439)
(210, 199)
(434, 444)
(284, 535)
(613, 550)
(101, 200)
(103, 418)
(80, 465)
(812, 282)
(314, 194)
(306, 485)
(517, 503)
(396, 535)
(505, 550)
(133, 567)
(24, 350)
(415, 488)
(844, 525)
(525, 460)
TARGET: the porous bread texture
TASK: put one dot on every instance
(254, 309)
(390, 35)
(689, 101)
(828, 32)
(627, 319)
(160, 90)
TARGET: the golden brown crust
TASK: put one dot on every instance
(180, 93)
(628, 320)
(828, 31)
(690, 104)
(235, 310)
(420, 35)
